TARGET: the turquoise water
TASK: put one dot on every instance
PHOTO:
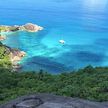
(83, 24)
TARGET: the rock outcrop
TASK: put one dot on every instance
(32, 27)
(2, 37)
(15, 56)
(28, 27)
(52, 101)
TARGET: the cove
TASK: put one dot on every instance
(83, 24)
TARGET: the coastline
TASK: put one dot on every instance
(29, 27)
(16, 55)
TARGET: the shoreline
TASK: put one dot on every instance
(30, 27)
(16, 55)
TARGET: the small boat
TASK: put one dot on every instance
(62, 41)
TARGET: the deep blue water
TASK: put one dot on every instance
(83, 24)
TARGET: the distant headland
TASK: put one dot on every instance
(27, 27)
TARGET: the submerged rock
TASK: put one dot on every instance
(52, 101)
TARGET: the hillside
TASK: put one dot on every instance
(88, 83)
(9, 57)
(4, 56)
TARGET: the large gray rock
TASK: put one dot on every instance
(52, 101)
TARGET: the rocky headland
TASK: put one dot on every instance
(31, 27)
(27, 27)
(15, 54)
(52, 101)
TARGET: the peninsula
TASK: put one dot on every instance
(28, 27)
(15, 55)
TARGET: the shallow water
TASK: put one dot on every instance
(83, 24)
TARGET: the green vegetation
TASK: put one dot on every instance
(8, 28)
(88, 83)
(3, 28)
(4, 57)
